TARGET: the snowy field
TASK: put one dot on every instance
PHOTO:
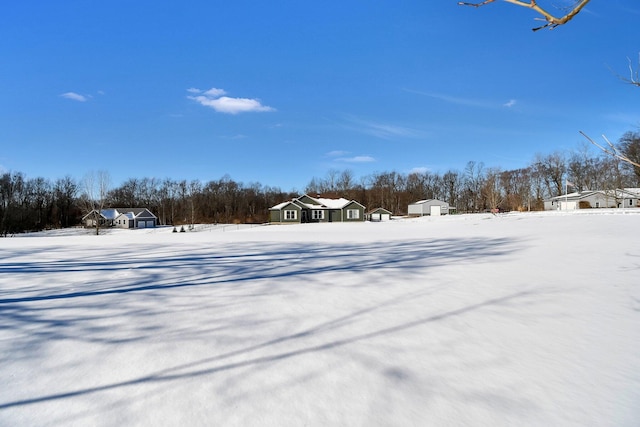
(526, 319)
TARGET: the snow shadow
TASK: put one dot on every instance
(235, 296)
(235, 264)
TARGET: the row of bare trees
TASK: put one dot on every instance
(37, 203)
(187, 202)
(478, 188)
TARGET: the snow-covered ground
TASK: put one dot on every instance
(526, 319)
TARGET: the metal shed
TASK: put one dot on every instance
(431, 207)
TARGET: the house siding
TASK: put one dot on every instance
(278, 215)
(354, 206)
(306, 199)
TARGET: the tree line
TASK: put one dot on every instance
(32, 204)
(478, 188)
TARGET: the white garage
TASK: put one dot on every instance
(379, 214)
(431, 207)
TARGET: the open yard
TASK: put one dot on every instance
(528, 319)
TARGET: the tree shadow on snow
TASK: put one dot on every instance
(120, 279)
(235, 265)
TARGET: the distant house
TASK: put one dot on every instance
(431, 207)
(122, 218)
(316, 209)
(379, 214)
(621, 198)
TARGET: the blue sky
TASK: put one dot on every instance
(279, 92)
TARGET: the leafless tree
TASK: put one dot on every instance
(96, 189)
(612, 150)
(10, 184)
(491, 191)
(451, 183)
(65, 191)
(517, 189)
(552, 169)
(629, 146)
(346, 181)
(474, 177)
(551, 19)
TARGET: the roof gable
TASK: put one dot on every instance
(137, 212)
(380, 211)
(307, 202)
(334, 203)
(288, 203)
(422, 202)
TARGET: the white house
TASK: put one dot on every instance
(431, 207)
(621, 198)
(122, 218)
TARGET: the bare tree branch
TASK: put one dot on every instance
(634, 75)
(552, 21)
(611, 150)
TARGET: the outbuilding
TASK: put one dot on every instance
(431, 207)
(379, 214)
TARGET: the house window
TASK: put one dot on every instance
(290, 214)
(317, 214)
(630, 202)
(353, 214)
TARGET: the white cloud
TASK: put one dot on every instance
(215, 92)
(213, 98)
(74, 96)
(419, 170)
(468, 102)
(337, 153)
(234, 137)
(356, 159)
(382, 130)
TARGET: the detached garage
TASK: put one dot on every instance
(380, 214)
(430, 207)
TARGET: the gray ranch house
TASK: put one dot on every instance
(122, 218)
(431, 207)
(621, 198)
(305, 209)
